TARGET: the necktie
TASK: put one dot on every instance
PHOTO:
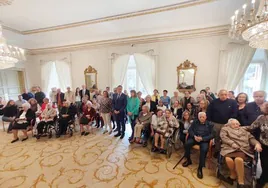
(118, 96)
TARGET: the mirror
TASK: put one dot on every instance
(91, 78)
(186, 76)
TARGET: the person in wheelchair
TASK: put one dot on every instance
(87, 118)
(48, 116)
(236, 148)
(200, 133)
(185, 124)
(67, 113)
(142, 122)
(158, 129)
(25, 118)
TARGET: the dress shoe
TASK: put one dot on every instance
(86, 133)
(187, 163)
(24, 139)
(229, 180)
(13, 141)
(117, 135)
(82, 133)
(122, 136)
(199, 173)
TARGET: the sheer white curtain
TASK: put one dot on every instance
(119, 69)
(233, 65)
(46, 68)
(64, 74)
(146, 68)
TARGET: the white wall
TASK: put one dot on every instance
(204, 52)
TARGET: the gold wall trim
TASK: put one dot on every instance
(186, 4)
(185, 34)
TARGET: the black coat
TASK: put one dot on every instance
(178, 115)
(10, 111)
(30, 116)
(39, 96)
(61, 97)
(86, 93)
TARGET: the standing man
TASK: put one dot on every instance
(39, 96)
(210, 93)
(119, 109)
(219, 112)
(69, 96)
(59, 98)
(84, 92)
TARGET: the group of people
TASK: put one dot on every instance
(231, 121)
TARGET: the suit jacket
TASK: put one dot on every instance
(120, 103)
(86, 93)
(61, 97)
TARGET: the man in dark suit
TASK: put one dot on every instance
(59, 99)
(119, 109)
(84, 92)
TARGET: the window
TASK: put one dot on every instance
(132, 79)
(53, 79)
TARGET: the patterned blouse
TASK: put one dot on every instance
(172, 124)
(262, 123)
(105, 105)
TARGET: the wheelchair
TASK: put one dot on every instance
(52, 126)
(172, 142)
(249, 164)
(71, 126)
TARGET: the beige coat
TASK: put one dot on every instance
(49, 114)
(241, 137)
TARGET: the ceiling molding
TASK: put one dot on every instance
(186, 4)
(185, 34)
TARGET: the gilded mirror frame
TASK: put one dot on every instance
(186, 65)
(91, 70)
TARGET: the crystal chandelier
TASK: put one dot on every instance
(9, 55)
(251, 24)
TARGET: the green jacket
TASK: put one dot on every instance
(133, 105)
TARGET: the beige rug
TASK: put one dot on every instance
(96, 160)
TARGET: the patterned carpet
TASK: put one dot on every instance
(97, 161)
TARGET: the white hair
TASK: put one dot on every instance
(26, 105)
(88, 102)
(201, 114)
(231, 120)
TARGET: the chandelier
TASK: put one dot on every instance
(251, 24)
(9, 55)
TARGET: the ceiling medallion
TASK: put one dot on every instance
(251, 24)
(5, 2)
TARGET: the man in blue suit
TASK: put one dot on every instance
(119, 109)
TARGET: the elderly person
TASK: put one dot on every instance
(236, 148)
(155, 97)
(25, 118)
(176, 97)
(10, 112)
(185, 124)
(165, 99)
(87, 118)
(150, 104)
(176, 110)
(161, 105)
(48, 116)
(143, 120)
(133, 105)
(106, 110)
(200, 133)
(59, 98)
(172, 123)
(67, 113)
(69, 95)
(242, 100)
(159, 127)
(219, 112)
(187, 99)
(261, 123)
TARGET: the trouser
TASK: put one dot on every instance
(78, 105)
(182, 137)
(8, 119)
(107, 120)
(264, 164)
(63, 124)
(137, 130)
(133, 123)
(217, 128)
(236, 168)
(113, 119)
(120, 122)
(146, 133)
(203, 151)
(42, 125)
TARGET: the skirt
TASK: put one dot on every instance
(240, 154)
(84, 120)
(20, 126)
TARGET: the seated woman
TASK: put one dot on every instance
(201, 107)
(159, 127)
(150, 104)
(67, 113)
(35, 107)
(24, 119)
(143, 120)
(10, 112)
(88, 116)
(172, 123)
(185, 124)
(236, 149)
(200, 133)
(176, 110)
(190, 109)
(48, 116)
(261, 123)
(161, 105)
